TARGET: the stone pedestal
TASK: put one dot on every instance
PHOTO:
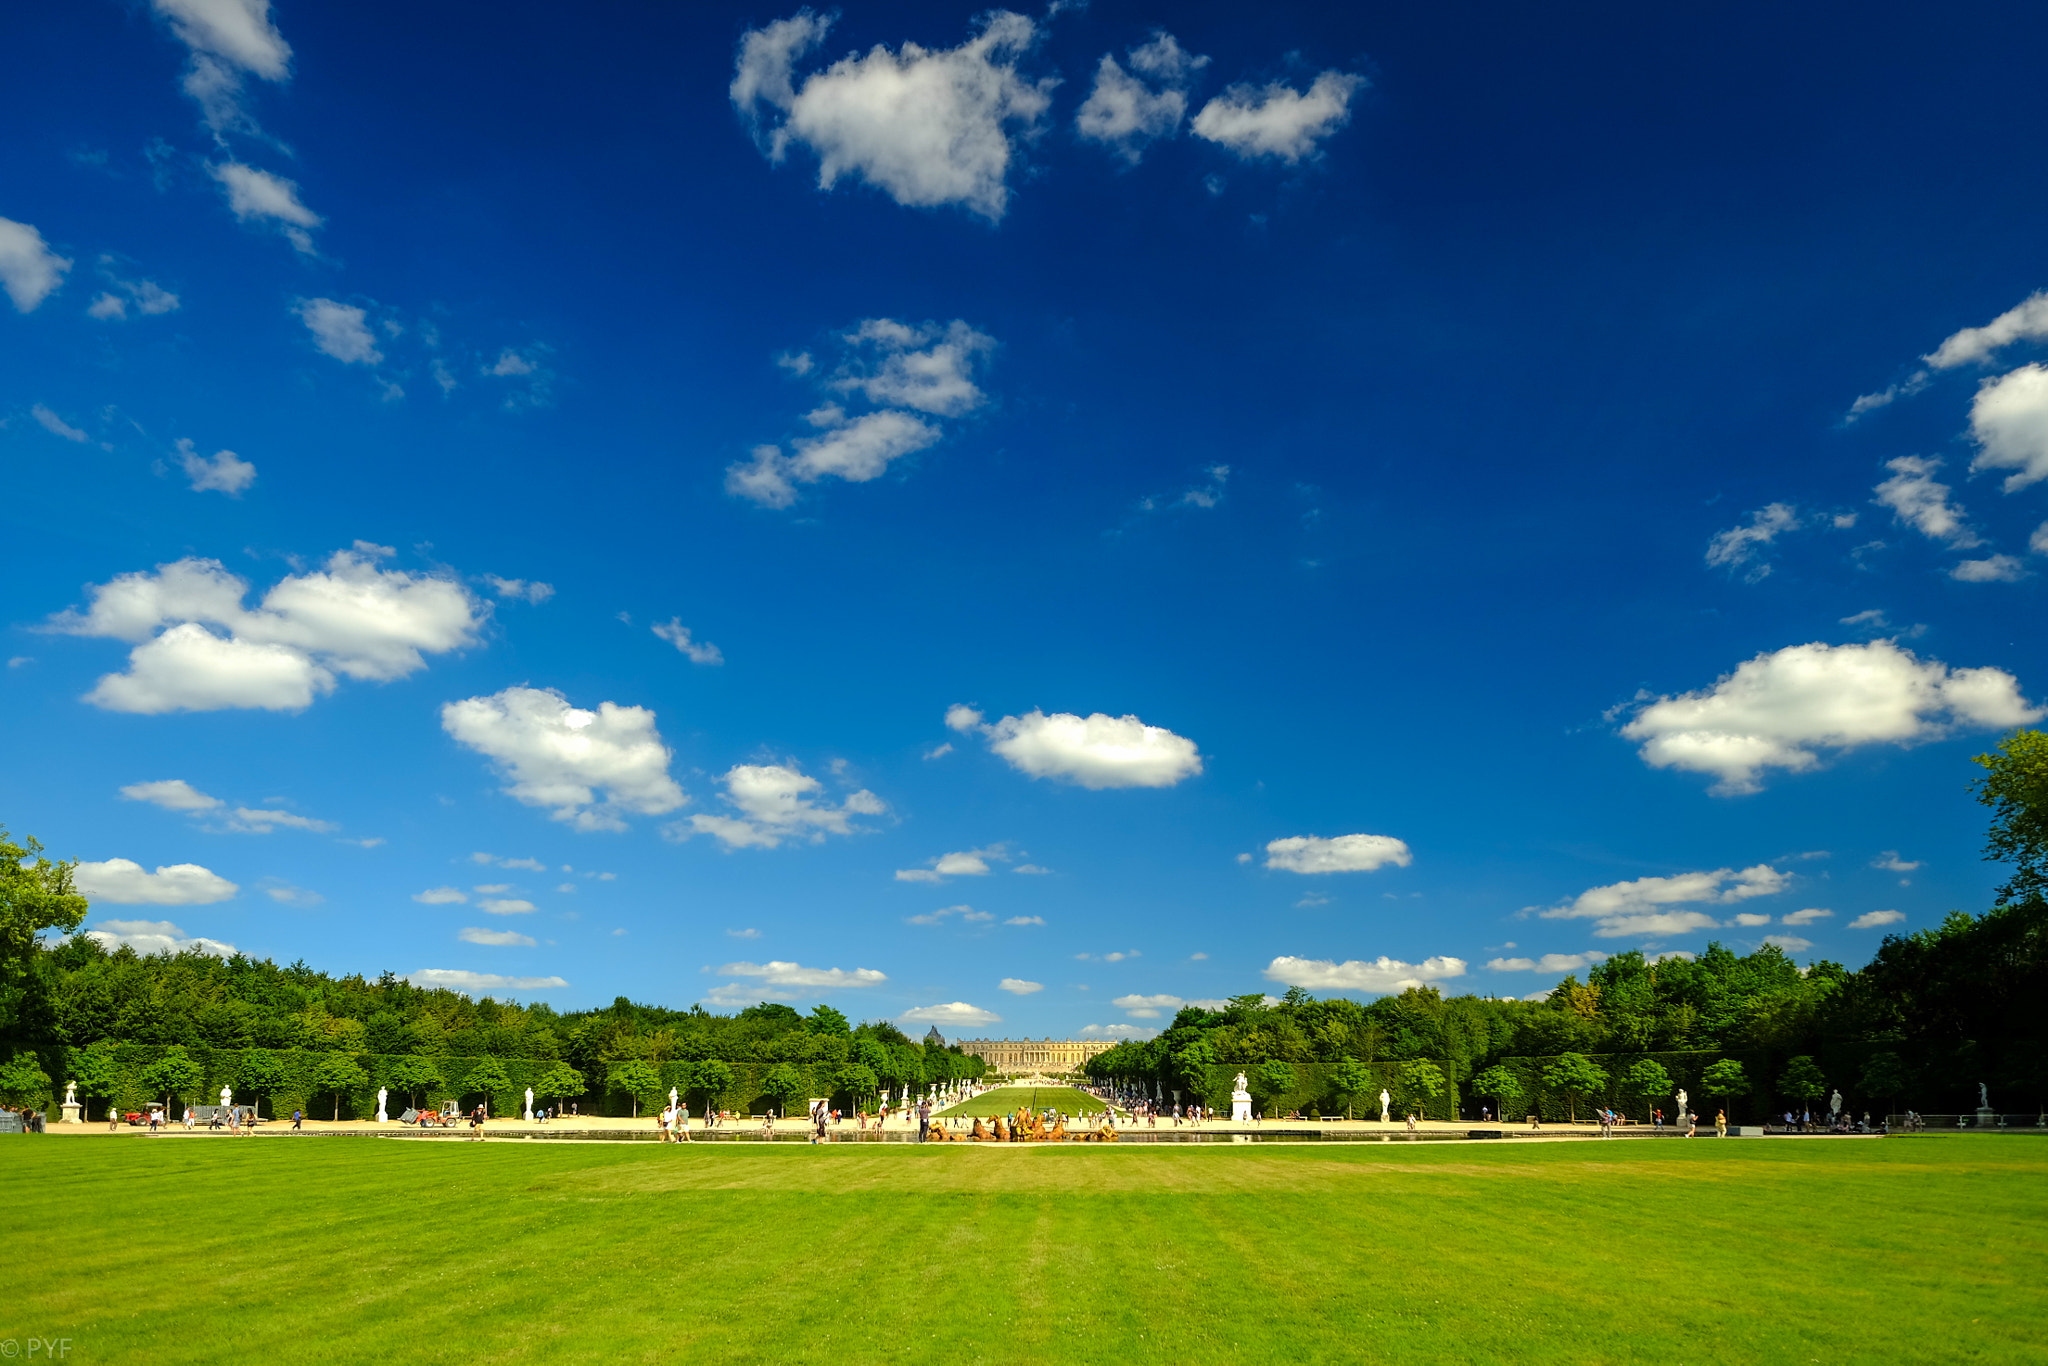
(1987, 1118)
(1240, 1107)
(71, 1113)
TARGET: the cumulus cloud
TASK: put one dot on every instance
(442, 896)
(2009, 419)
(1096, 751)
(340, 330)
(1644, 906)
(1017, 986)
(777, 802)
(1551, 962)
(1153, 1007)
(1809, 916)
(1779, 710)
(172, 794)
(221, 472)
(857, 450)
(951, 1013)
(531, 865)
(1890, 862)
(347, 619)
(944, 913)
(55, 425)
(927, 127)
(781, 974)
(520, 590)
(1918, 500)
(226, 38)
(148, 297)
(1749, 920)
(2026, 320)
(1119, 1032)
(1343, 854)
(697, 651)
(559, 757)
(1127, 112)
(1740, 546)
(1276, 120)
(1381, 975)
(1871, 920)
(29, 271)
(1991, 569)
(1025, 919)
(509, 939)
(470, 983)
(964, 863)
(928, 367)
(264, 199)
(505, 906)
(126, 883)
(1790, 943)
(154, 936)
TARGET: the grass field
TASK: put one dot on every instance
(1006, 1100)
(1916, 1249)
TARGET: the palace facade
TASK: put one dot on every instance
(1034, 1055)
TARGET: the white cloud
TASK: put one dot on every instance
(55, 425)
(1031, 870)
(1808, 916)
(940, 916)
(492, 888)
(926, 367)
(857, 451)
(510, 362)
(780, 974)
(2009, 419)
(1623, 909)
(926, 127)
(505, 906)
(1750, 920)
(222, 472)
(1871, 920)
(951, 1013)
(1097, 751)
(1343, 854)
(257, 822)
(1778, 710)
(744, 934)
(1890, 862)
(510, 939)
(2027, 320)
(557, 756)
(964, 863)
(520, 590)
(1017, 986)
(153, 936)
(1025, 920)
(1126, 113)
(125, 883)
(939, 751)
(172, 794)
(1920, 501)
(340, 330)
(1382, 975)
(284, 894)
(237, 31)
(531, 865)
(1118, 1032)
(349, 618)
(468, 983)
(1551, 962)
(777, 802)
(962, 718)
(698, 651)
(1790, 943)
(1740, 545)
(259, 197)
(441, 896)
(148, 297)
(29, 271)
(1992, 569)
(1153, 1007)
(1277, 121)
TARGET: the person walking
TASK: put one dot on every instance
(682, 1124)
(1657, 1119)
(1692, 1124)
(1721, 1125)
(298, 1117)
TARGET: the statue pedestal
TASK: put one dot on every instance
(70, 1108)
(1240, 1107)
(1987, 1118)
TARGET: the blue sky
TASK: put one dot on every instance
(1013, 520)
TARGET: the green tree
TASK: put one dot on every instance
(489, 1076)
(713, 1078)
(1802, 1080)
(1424, 1079)
(1577, 1076)
(175, 1073)
(823, 1019)
(1502, 1084)
(339, 1073)
(1884, 1075)
(637, 1079)
(784, 1083)
(94, 1070)
(36, 894)
(413, 1075)
(1353, 1079)
(23, 1082)
(2015, 787)
(1646, 1080)
(1725, 1079)
(559, 1083)
(1270, 1081)
(857, 1081)
(262, 1073)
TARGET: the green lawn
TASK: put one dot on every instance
(346, 1249)
(1005, 1100)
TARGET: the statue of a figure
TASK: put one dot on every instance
(1983, 1096)
(1681, 1105)
(71, 1093)
(225, 1095)
(1238, 1084)
(382, 1092)
(529, 1100)
(1835, 1103)
(1385, 1101)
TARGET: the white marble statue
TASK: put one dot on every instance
(71, 1093)
(1237, 1083)
(1681, 1107)
(1835, 1104)
(226, 1095)
(1983, 1096)
(1385, 1100)
(382, 1118)
(1240, 1103)
(529, 1103)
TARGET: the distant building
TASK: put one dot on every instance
(934, 1038)
(1035, 1055)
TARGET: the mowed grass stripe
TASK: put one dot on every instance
(524, 1251)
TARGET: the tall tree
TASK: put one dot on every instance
(94, 1070)
(713, 1078)
(2015, 787)
(36, 894)
(261, 1073)
(636, 1079)
(1802, 1080)
(1646, 1080)
(785, 1083)
(340, 1073)
(1424, 1079)
(413, 1075)
(490, 1077)
(1353, 1079)
(23, 1082)
(559, 1083)
(175, 1073)
(1500, 1083)
(1577, 1076)
(1725, 1079)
